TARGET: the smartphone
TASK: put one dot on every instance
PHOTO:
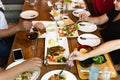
(17, 54)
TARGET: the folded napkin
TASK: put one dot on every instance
(49, 4)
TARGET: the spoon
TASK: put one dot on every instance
(84, 38)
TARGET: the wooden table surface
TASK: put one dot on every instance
(21, 40)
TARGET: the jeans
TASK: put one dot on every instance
(5, 46)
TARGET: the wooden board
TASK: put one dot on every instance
(108, 63)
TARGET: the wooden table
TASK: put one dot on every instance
(21, 41)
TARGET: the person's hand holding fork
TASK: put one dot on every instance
(76, 55)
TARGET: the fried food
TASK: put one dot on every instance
(83, 50)
(39, 26)
(56, 50)
(56, 77)
(55, 13)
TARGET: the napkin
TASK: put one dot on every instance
(49, 4)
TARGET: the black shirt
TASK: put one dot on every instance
(112, 14)
(113, 29)
(112, 32)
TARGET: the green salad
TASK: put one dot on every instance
(24, 76)
(99, 59)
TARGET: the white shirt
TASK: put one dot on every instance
(1, 5)
(3, 22)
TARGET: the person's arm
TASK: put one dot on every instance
(97, 20)
(29, 65)
(105, 48)
(102, 49)
(12, 30)
(8, 32)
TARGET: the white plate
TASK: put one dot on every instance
(69, 75)
(59, 41)
(87, 27)
(91, 42)
(80, 11)
(35, 73)
(50, 28)
(29, 14)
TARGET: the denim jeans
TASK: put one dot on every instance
(5, 46)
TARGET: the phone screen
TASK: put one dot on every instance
(18, 54)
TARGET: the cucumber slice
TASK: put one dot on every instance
(99, 59)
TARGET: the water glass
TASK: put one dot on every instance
(94, 71)
(33, 3)
(64, 11)
(57, 18)
(58, 5)
(106, 73)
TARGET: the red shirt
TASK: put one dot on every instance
(102, 6)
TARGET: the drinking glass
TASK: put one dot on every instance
(94, 71)
(64, 11)
(33, 3)
(33, 36)
(106, 73)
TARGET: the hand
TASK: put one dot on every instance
(70, 59)
(76, 55)
(83, 17)
(82, 4)
(10, 25)
(25, 26)
(31, 64)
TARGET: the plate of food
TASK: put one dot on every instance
(29, 14)
(89, 39)
(54, 75)
(28, 75)
(68, 31)
(56, 53)
(87, 27)
(77, 12)
(44, 28)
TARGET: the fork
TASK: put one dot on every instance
(46, 61)
(63, 69)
